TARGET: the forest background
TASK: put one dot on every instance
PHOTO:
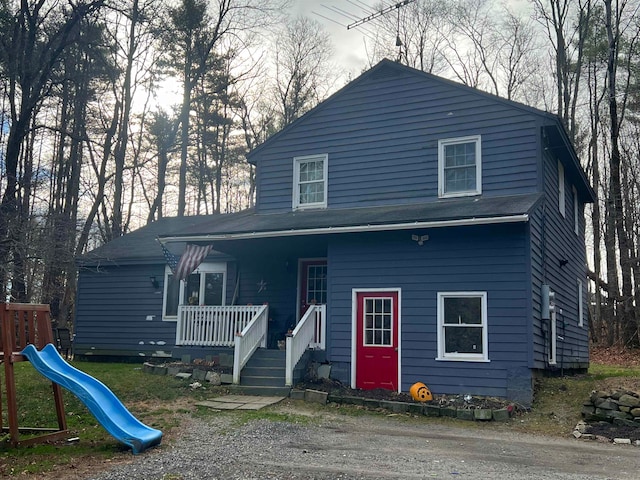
(116, 113)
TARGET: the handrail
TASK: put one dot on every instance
(306, 333)
(248, 340)
(212, 325)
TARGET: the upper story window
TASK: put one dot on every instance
(561, 191)
(462, 326)
(459, 167)
(205, 286)
(310, 181)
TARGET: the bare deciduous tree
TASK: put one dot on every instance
(302, 68)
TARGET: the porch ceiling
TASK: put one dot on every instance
(442, 213)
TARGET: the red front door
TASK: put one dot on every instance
(377, 340)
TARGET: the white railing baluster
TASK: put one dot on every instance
(309, 331)
(248, 340)
(212, 325)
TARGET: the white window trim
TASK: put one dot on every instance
(561, 191)
(580, 303)
(576, 211)
(462, 357)
(477, 139)
(296, 181)
(203, 268)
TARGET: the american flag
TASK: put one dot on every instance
(172, 260)
(192, 257)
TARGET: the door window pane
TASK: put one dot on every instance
(378, 322)
(317, 284)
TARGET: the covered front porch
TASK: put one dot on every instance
(245, 328)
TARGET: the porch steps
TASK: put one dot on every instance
(264, 374)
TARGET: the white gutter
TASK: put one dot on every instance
(349, 229)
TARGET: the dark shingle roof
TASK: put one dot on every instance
(305, 222)
(140, 246)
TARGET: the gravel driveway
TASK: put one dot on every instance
(335, 446)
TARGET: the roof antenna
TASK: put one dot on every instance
(379, 13)
(398, 41)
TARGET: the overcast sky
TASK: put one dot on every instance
(350, 46)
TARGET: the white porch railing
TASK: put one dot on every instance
(213, 325)
(249, 339)
(310, 332)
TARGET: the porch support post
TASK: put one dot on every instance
(288, 380)
(265, 326)
(236, 360)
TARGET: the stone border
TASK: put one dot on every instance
(426, 409)
(321, 397)
(189, 373)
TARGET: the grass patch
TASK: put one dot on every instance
(599, 372)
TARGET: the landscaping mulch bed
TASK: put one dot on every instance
(458, 401)
(610, 431)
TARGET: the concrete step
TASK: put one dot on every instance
(265, 368)
(262, 381)
(260, 390)
(267, 358)
(263, 371)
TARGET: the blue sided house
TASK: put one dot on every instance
(407, 229)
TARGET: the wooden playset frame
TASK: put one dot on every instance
(22, 324)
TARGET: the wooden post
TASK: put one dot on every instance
(22, 324)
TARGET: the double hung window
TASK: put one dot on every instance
(459, 167)
(462, 326)
(310, 181)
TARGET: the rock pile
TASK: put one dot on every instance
(620, 407)
(611, 416)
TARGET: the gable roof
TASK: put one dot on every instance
(552, 125)
(443, 213)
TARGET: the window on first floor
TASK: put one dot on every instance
(459, 167)
(205, 286)
(462, 326)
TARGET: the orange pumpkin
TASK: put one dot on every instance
(420, 392)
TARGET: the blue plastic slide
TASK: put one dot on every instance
(100, 401)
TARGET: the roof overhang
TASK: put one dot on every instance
(346, 229)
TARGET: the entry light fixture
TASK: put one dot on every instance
(154, 282)
(420, 239)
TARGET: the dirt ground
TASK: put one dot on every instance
(364, 447)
